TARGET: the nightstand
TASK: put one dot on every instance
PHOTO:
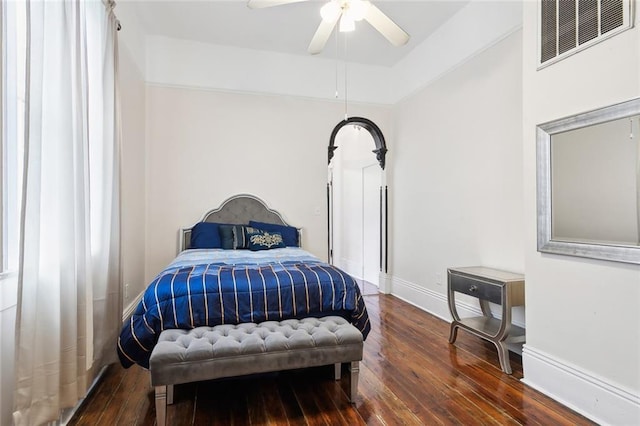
(488, 285)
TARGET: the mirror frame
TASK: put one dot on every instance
(544, 132)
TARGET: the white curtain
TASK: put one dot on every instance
(69, 304)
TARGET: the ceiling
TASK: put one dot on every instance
(289, 28)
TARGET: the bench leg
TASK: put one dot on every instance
(355, 370)
(169, 394)
(161, 405)
(337, 370)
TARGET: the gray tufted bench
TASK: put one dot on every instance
(206, 353)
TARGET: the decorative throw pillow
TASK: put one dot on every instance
(240, 240)
(233, 237)
(260, 240)
(289, 233)
(205, 235)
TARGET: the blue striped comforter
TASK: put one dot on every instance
(211, 287)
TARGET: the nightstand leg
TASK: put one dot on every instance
(486, 310)
(453, 334)
(503, 357)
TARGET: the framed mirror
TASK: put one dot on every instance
(588, 184)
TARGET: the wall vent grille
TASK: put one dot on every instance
(568, 26)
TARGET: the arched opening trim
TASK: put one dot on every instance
(369, 126)
(380, 152)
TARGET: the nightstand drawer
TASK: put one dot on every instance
(476, 288)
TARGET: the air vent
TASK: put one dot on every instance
(568, 26)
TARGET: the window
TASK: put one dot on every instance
(13, 102)
(568, 26)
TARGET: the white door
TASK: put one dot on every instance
(371, 182)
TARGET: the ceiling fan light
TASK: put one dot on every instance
(347, 23)
(330, 11)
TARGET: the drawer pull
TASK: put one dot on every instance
(473, 288)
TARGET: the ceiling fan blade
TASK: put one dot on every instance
(389, 29)
(260, 4)
(321, 36)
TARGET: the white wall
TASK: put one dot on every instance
(583, 316)
(204, 146)
(456, 176)
(132, 102)
(133, 177)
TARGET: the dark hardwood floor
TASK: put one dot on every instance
(410, 375)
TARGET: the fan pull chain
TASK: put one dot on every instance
(337, 62)
(346, 116)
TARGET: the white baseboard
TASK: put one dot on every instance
(594, 398)
(436, 303)
(384, 283)
(428, 300)
(68, 413)
(128, 311)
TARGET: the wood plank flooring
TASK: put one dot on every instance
(410, 375)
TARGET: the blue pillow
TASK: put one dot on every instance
(289, 233)
(226, 236)
(205, 235)
(261, 240)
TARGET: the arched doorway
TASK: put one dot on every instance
(357, 187)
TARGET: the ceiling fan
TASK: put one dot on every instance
(347, 12)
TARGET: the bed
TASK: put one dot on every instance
(241, 263)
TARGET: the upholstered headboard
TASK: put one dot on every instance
(238, 209)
